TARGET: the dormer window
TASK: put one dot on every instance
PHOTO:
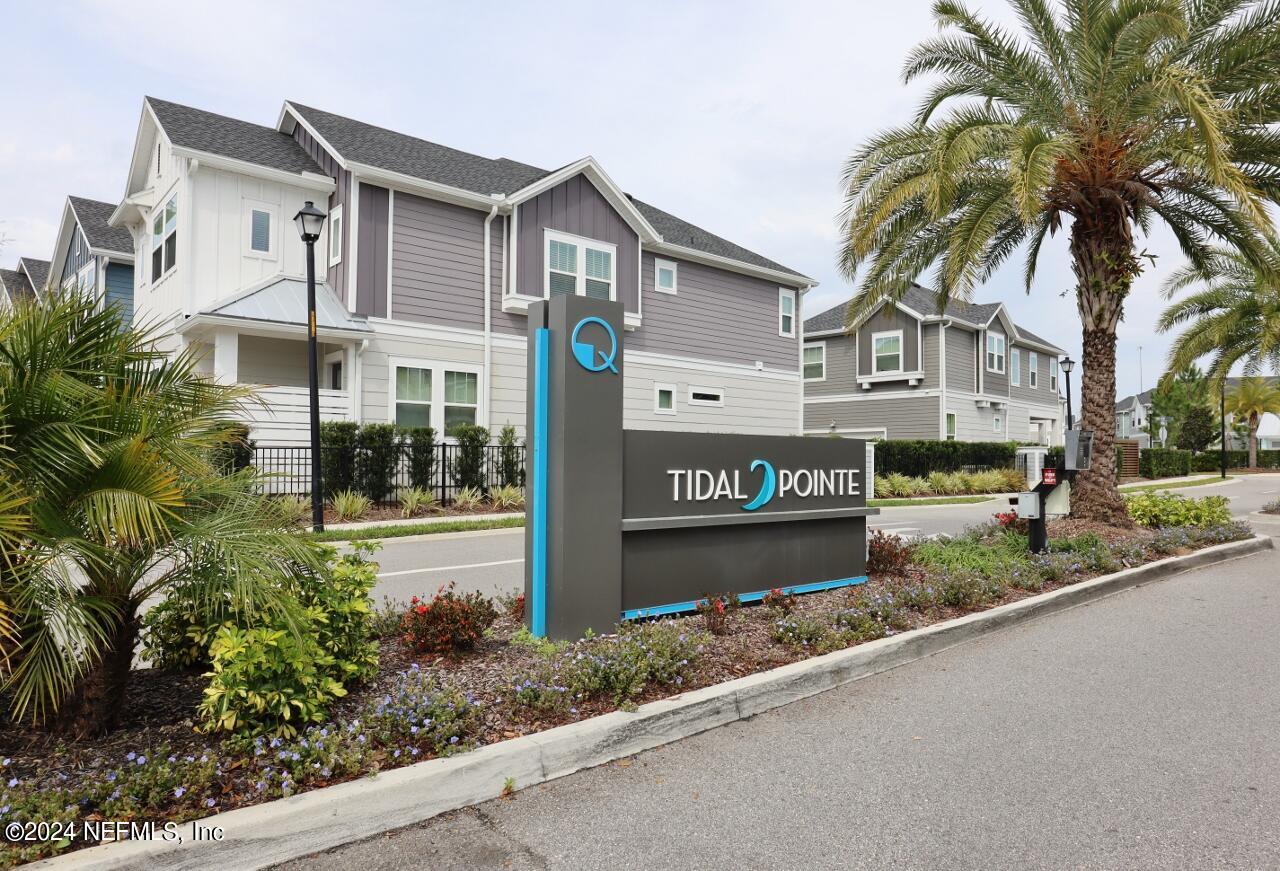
(164, 239)
(886, 352)
(579, 266)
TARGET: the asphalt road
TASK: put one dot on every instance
(493, 562)
(1135, 732)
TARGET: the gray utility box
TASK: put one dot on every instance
(1079, 449)
(1029, 506)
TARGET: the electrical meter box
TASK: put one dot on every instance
(1079, 449)
(1029, 506)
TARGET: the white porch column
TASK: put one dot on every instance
(226, 356)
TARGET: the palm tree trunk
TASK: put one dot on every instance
(1254, 420)
(94, 706)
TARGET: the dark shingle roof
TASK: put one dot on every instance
(230, 137)
(16, 283)
(397, 152)
(93, 216)
(37, 271)
(925, 301)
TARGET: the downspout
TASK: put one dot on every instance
(488, 321)
(800, 352)
(942, 379)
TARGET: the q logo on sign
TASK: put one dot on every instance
(585, 352)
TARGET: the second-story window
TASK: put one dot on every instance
(579, 266)
(1053, 374)
(1015, 367)
(664, 276)
(995, 352)
(260, 231)
(1033, 376)
(886, 352)
(786, 313)
(164, 239)
(815, 362)
(335, 235)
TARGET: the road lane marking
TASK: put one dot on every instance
(501, 562)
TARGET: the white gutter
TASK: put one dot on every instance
(942, 380)
(800, 352)
(488, 318)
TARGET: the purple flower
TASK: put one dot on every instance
(453, 740)
(13, 781)
(142, 760)
(180, 792)
(131, 756)
(208, 802)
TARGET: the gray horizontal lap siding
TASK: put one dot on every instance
(907, 417)
(437, 263)
(574, 206)
(930, 336)
(714, 315)
(337, 274)
(962, 360)
(371, 251)
(1041, 394)
(841, 369)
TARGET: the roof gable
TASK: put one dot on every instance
(37, 272)
(93, 217)
(16, 284)
(209, 132)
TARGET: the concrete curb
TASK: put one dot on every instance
(419, 521)
(266, 834)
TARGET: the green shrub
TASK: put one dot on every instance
(177, 632)
(1154, 508)
(897, 484)
(510, 467)
(339, 445)
(414, 501)
(1164, 463)
(968, 589)
(920, 458)
(1056, 458)
(947, 483)
(421, 441)
(990, 555)
(469, 460)
(450, 623)
(349, 505)
(799, 631)
(992, 481)
(887, 554)
(236, 452)
(295, 509)
(341, 612)
(378, 459)
(420, 711)
(1211, 460)
(468, 499)
(508, 497)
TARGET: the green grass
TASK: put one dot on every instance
(1176, 485)
(401, 530)
(936, 500)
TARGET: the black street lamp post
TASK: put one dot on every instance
(1223, 412)
(1067, 365)
(310, 222)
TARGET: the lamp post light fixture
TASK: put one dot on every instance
(310, 222)
(1067, 365)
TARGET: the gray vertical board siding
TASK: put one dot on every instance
(841, 368)
(119, 289)
(78, 255)
(337, 274)
(907, 417)
(961, 360)
(575, 206)
(437, 268)
(371, 282)
(714, 315)
(931, 362)
(882, 321)
(995, 383)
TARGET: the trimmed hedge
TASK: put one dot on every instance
(918, 458)
(1164, 463)
(1211, 460)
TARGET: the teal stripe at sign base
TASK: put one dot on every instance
(538, 522)
(680, 607)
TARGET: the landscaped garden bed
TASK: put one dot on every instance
(454, 671)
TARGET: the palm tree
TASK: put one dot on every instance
(104, 449)
(1252, 398)
(1235, 316)
(1106, 115)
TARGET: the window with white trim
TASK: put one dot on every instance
(886, 352)
(664, 276)
(951, 426)
(786, 312)
(1053, 374)
(1033, 376)
(664, 398)
(335, 235)
(995, 352)
(1015, 367)
(815, 362)
(711, 396)
(260, 241)
(442, 396)
(164, 238)
(579, 266)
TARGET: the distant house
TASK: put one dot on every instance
(15, 285)
(906, 371)
(1133, 414)
(93, 257)
(29, 278)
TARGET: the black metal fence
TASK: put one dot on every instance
(381, 474)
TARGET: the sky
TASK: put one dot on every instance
(737, 116)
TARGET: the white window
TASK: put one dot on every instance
(1015, 367)
(815, 362)
(438, 395)
(335, 235)
(997, 425)
(1033, 377)
(786, 313)
(164, 238)
(579, 266)
(664, 399)
(1053, 374)
(886, 352)
(259, 238)
(664, 276)
(995, 352)
(951, 426)
(713, 396)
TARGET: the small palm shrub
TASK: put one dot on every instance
(415, 500)
(898, 485)
(920, 486)
(506, 498)
(991, 481)
(946, 483)
(1014, 481)
(296, 509)
(450, 623)
(350, 505)
(468, 499)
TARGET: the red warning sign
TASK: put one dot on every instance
(1051, 477)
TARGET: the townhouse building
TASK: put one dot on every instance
(907, 371)
(429, 260)
(27, 279)
(93, 257)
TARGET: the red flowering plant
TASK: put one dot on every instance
(715, 613)
(776, 598)
(1011, 520)
(449, 623)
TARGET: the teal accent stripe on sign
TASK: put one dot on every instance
(681, 607)
(538, 522)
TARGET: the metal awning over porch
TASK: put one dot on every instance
(279, 306)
